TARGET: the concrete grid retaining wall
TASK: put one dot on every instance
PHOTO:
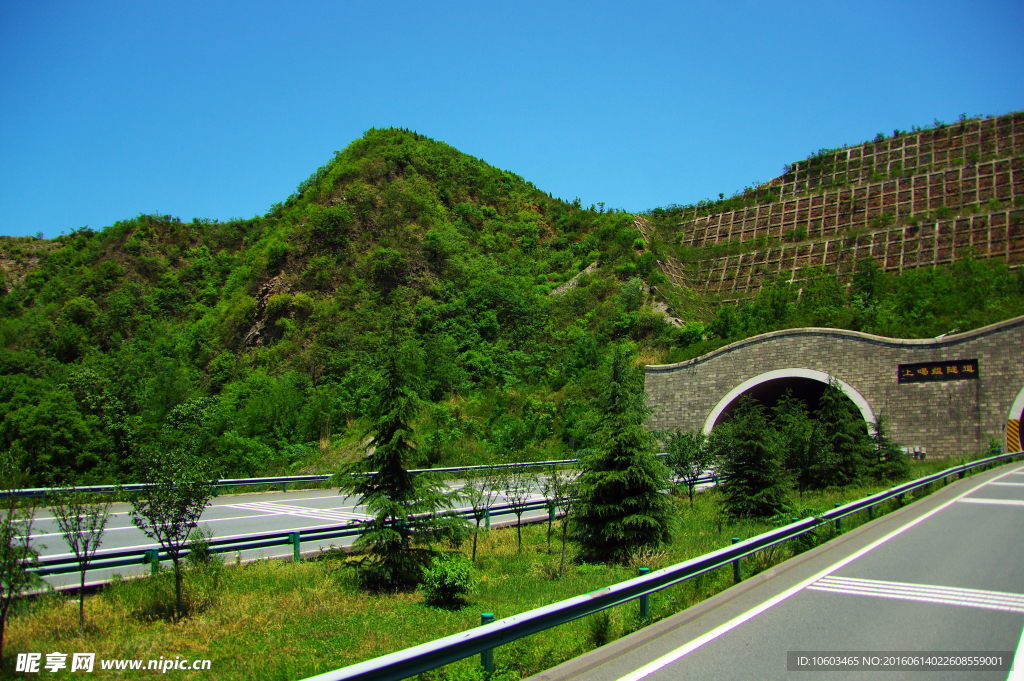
(946, 418)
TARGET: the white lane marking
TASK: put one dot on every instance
(300, 511)
(1008, 484)
(684, 650)
(202, 520)
(971, 598)
(998, 502)
(1017, 667)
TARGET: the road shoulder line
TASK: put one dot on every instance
(584, 663)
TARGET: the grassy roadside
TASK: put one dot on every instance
(283, 620)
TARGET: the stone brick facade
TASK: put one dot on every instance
(943, 417)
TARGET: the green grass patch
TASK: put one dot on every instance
(273, 619)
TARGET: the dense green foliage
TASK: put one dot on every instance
(447, 580)
(921, 303)
(261, 337)
(765, 455)
(265, 332)
(621, 508)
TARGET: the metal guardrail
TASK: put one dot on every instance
(418, 659)
(153, 555)
(283, 480)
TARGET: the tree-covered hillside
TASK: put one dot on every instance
(261, 337)
(263, 334)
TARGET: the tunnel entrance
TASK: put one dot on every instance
(806, 390)
(805, 384)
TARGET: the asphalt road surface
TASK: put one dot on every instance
(234, 515)
(227, 515)
(942, 575)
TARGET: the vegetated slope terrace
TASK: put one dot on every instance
(262, 334)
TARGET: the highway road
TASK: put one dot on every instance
(941, 575)
(235, 515)
(227, 515)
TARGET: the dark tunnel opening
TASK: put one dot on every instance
(807, 390)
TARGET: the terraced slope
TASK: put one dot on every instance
(923, 198)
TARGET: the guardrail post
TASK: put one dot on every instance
(44, 499)
(736, 571)
(294, 539)
(645, 600)
(284, 486)
(153, 558)
(487, 656)
(487, 519)
(551, 512)
(871, 511)
(839, 521)
(215, 488)
(135, 497)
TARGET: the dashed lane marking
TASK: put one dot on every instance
(997, 502)
(924, 593)
(300, 511)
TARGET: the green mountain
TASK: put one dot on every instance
(257, 339)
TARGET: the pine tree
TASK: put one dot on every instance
(407, 509)
(621, 507)
(801, 439)
(755, 482)
(888, 460)
(845, 433)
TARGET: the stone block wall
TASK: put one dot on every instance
(946, 418)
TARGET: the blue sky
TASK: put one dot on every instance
(219, 109)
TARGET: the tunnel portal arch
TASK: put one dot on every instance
(784, 376)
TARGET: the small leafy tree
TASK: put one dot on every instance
(405, 507)
(563, 492)
(517, 488)
(689, 456)
(17, 555)
(755, 482)
(549, 488)
(621, 507)
(178, 486)
(81, 520)
(481, 492)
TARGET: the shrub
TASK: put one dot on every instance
(447, 580)
(278, 305)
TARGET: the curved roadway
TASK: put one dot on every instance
(941, 575)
